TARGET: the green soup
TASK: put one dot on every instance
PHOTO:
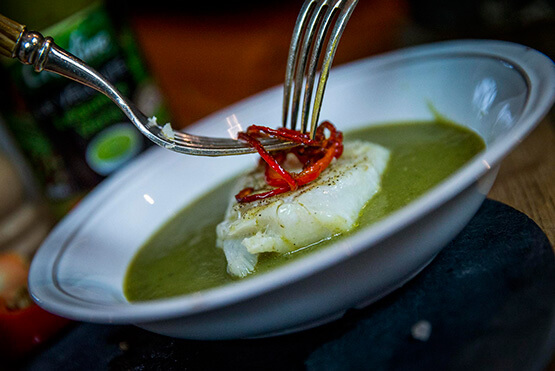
(182, 256)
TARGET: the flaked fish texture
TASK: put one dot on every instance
(328, 206)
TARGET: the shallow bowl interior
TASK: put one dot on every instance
(499, 90)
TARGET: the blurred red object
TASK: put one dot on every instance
(24, 329)
(23, 324)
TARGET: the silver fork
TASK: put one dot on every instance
(30, 47)
(42, 53)
(311, 30)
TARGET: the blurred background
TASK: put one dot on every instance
(185, 60)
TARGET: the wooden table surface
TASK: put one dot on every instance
(526, 179)
(204, 62)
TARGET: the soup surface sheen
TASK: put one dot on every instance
(182, 256)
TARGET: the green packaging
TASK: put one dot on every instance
(72, 136)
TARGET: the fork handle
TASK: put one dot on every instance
(10, 34)
(30, 47)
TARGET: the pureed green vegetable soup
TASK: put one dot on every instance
(182, 256)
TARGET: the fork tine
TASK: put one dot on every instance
(292, 58)
(346, 8)
(303, 58)
(313, 24)
(315, 54)
(211, 146)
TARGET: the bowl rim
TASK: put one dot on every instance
(539, 74)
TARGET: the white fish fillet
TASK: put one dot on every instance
(323, 208)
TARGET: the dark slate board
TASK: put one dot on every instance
(489, 298)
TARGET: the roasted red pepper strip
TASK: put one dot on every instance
(269, 159)
(314, 154)
(312, 172)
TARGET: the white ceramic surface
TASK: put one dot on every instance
(498, 89)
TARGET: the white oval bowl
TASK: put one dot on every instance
(500, 90)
